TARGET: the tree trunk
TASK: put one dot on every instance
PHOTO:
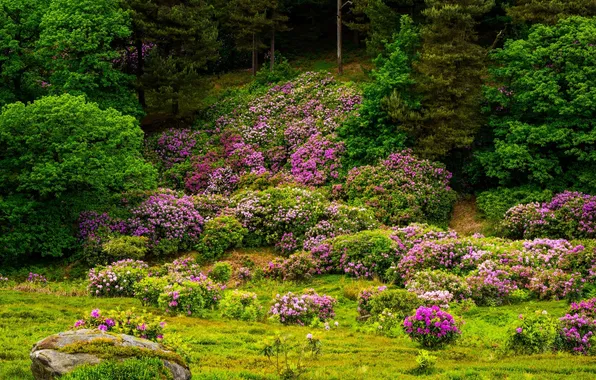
(254, 55)
(272, 62)
(140, 72)
(340, 68)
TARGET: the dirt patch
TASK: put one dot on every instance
(466, 220)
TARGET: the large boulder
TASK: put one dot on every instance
(59, 354)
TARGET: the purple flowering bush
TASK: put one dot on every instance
(402, 189)
(298, 267)
(432, 327)
(578, 327)
(170, 222)
(568, 215)
(129, 322)
(438, 287)
(303, 309)
(190, 296)
(364, 297)
(117, 279)
(35, 278)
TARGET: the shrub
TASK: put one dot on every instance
(210, 205)
(125, 247)
(535, 334)
(183, 269)
(241, 305)
(166, 219)
(117, 279)
(491, 284)
(298, 267)
(364, 306)
(431, 327)
(396, 301)
(36, 278)
(304, 309)
(578, 327)
(494, 203)
(426, 362)
(221, 272)
(428, 283)
(220, 234)
(130, 369)
(402, 190)
(149, 288)
(129, 322)
(282, 71)
(271, 213)
(244, 274)
(190, 296)
(362, 254)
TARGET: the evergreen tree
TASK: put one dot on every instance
(20, 78)
(448, 80)
(173, 42)
(77, 45)
(550, 11)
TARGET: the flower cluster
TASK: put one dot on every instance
(569, 215)
(190, 296)
(175, 145)
(128, 322)
(364, 307)
(431, 327)
(36, 278)
(303, 309)
(578, 327)
(117, 279)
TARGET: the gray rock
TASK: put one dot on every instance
(49, 363)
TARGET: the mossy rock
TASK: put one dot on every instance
(61, 353)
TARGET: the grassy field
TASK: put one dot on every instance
(224, 349)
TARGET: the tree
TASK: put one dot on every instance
(78, 47)
(58, 156)
(551, 11)
(542, 101)
(20, 78)
(448, 80)
(372, 135)
(174, 40)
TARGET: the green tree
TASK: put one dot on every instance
(372, 134)
(550, 11)
(58, 156)
(448, 80)
(20, 78)
(183, 39)
(78, 47)
(543, 106)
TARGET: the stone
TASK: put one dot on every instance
(48, 362)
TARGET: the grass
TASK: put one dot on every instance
(224, 349)
(466, 220)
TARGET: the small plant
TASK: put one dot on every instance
(130, 369)
(397, 301)
(426, 362)
(431, 327)
(535, 334)
(280, 349)
(244, 274)
(241, 305)
(35, 278)
(125, 247)
(221, 272)
(364, 306)
(129, 322)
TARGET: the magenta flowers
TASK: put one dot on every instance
(431, 327)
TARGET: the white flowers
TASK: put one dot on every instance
(309, 336)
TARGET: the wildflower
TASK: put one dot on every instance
(309, 336)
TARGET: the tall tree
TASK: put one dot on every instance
(20, 70)
(448, 80)
(550, 11)
(173, 40)
(78, 43)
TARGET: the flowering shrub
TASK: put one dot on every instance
(535, 334)
(402, 189)
(271, 213)
(303, 309)
(298, 267)
(35, 278)
(167, 218)
(578, 327)
(182, 269)
(364, 307)
(568, 215)
(210, 205)
(491, 284)
(175, 145)
(129, 322)
(221, 272)
(244, 274)
(431, 327)
(241, 305)
(221, 233)
(317, 160)
(191, 296)
(117, 279)
(149, 288)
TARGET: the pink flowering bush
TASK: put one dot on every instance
(317, 161)
(298, 267)
(490, 284)
(432, 327)
(578, 327)
(402, 189)
(438, 287)
(175, 145)
(129, 322)
(36, 278)
(364, 297)
(170, 222)
(569, 215)
(191, 296)
(182, 269)
(117, 279)
(303, 309)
